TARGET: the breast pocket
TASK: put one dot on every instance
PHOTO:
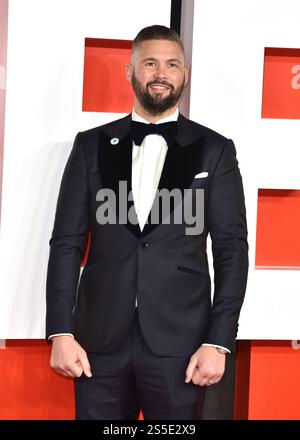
(200, 182)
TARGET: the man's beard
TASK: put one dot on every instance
(156, 104)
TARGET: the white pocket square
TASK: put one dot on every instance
(201, 175)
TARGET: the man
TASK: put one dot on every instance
(140, 331)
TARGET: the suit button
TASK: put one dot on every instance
(145, 245)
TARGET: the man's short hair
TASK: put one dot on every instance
(157, 32)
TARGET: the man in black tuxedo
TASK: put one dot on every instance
(140, 331)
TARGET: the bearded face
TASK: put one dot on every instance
(157, 95)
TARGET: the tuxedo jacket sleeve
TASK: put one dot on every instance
(228, 229)
(67, 243)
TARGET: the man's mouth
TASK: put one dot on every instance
(159, 87)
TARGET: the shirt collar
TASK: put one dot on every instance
(172, 117)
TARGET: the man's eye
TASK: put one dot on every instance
(172, 65)
(150, 63)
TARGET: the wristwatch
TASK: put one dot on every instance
(222, 350)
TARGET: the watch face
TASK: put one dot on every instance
(222, 350)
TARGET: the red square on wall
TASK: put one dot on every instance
(281, 84)
(277, 231)
(105, 87)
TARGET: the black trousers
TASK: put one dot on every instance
(133, 378)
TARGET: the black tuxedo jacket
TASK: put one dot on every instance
(166, 269)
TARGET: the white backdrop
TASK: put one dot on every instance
(43, 114)
(226, 95)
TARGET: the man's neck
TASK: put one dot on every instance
(154, 118)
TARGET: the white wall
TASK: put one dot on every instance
(43, 114)
(226, 95)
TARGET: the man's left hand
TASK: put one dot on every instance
(206, 366)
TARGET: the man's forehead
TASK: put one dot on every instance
(154, 48)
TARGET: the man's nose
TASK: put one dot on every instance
(160, 72)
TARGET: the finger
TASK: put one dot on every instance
(204, 381)
(63, 372)
(60, 372)
(190, 370)
(196, 377)
(215, 379)
(74, 369)
(70, 373)
(85, 365)
(200, 377)
(212, 381)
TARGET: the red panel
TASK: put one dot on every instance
(281, 84)
(29, 387)
(278, 232)
(105, 87)
(274, 384)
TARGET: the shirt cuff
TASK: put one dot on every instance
(216, 346)
(61, 334)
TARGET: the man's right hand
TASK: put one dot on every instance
(68, 357)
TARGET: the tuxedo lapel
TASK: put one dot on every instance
(182, 161)
(115, 166)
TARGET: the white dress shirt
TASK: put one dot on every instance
(147, 163)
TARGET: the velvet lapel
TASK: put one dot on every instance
(115, 165)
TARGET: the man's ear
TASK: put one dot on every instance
(129, 71)
(186, 74)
